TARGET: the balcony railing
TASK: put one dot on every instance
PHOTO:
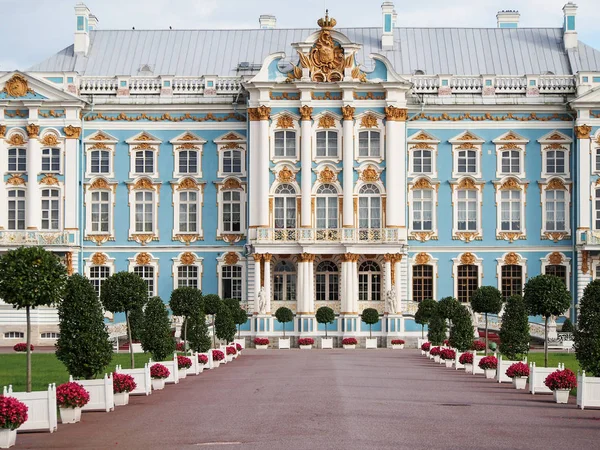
(155, 85)
(43, 238)
(344, 235)
(588, 237)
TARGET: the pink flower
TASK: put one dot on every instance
(238, 347)
(306, 341)
(397, 342)
(435, 351)
(426, 346)
(466, 358)
(183, 362)
(488, 362)
(123, 383)
(72, 395)
(517, 370)
(561, 379)
(231, 350)
(22, 347)
(218, 355)
(447, 353)
(181, 347)
(261, 341)
(203, 359)
(159, 371)
(349, 341)
(13, 413)
(478, 346)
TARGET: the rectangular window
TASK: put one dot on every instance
(147, 274)
(144, 161)
(17, 160)
(100, 162)
(555, 161)
(285, 144)
(597, 159)
(50, 335)
(467, 210)
(559, 271)
(422, 282)
(510, 210)
(50, 209)
(422, 210)
(188, 161)
(231, 282)
(97, 276)
(144, 212)
(285, 212)
(327, 144)
(327, 212)
(100, 211)
(232, 212)
(422, 161)
(511, 162)
(16, 209)
(188, 212)
(187, 276)
(50, 160)
(467, 161)
(14, 335)
(232, 161)
(467, 282)
(512, 280)
(369, 144)
(556, 210)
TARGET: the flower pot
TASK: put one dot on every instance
(229, 358)
(561, 395)
(7, 437)
(427, 354)
(349, 346)
(121, 398)
(490, 373)
(436, 358)
(401, 346)
(70, 415)
(262, 347)
(371, 343)
(326, 342)
(520, 382)
(284, 343)
(200, 368)
(158, 384)
(449, 363)
(182, 373)
(305, 347)
(468, 368)
(216, 364)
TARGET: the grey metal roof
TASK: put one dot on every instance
(456, 51)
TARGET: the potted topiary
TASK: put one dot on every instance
(70, 398)
(325, 315)
(159, 374)
(283, 316)
(370, 316)
(435, 353)
(519, 372)
(123, 384)
(349, 343)
(218, 356)
(230, 353)
(183, 364)
(448, 355)
(261, 343)
(425, 347)
(466, 359)
(13, 414)
(489, 364)
(397, 344)
(306, 343)
(560, 383)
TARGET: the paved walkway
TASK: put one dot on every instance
(332, 399)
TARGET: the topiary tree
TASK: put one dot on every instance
(567, 326)
(514, 331)
(240, 317)
(325, 315)
(156, 336)
(224, 325)
(370, 316)
(198, 336)
(31, 277)
(546, 295)
(486, 300)
(83, 346)
(212, 305)
(461, 333)
(284, 315)
(447, 307)
(184, 302)
(587, 335)
(136, 322)
(437, 329)
(124, 292)
(425, 310)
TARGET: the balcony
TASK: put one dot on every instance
(331, 235)
(43, 238)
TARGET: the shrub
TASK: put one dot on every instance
(466, 358)
(156, 337)
(478, 346)
(212, 305)
(306, 341)
(284, 315)
(13, 413)
(567, 326)
(71, 395)
(231, 350)
(514, 331)
(239, 347)
(370, 316)
(197, 332)
(202, 359)
(486, 300)
(426, 346)
(325, 315)
(519, 369)
(261, 341)
(218, 355)
(587, 335)
(22, 347)
(224, 325)
(185, 301)
(437, 329)
(183, 362)
(425, 311)
(349, 341)
(436, 351)
(123, 383)
(447, 308)
(447, 353)
(159, 371)
(561, 379)
(461, 333)
(488, 362)
(398, 342)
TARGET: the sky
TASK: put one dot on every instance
(33, 30)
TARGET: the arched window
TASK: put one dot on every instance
(510, 210)
(422, 210)
(285, 206)
(327, 144)
(467, 281)
(369, 281)
(512, 280)
(327, 206)
(369, 144)
(100, 162)
(232, 162)
(327, 282)
(285, 144)
(467, 161)
(50, 209)
(369, 207)
(97, 276)
(422, 282)
(188, 212)
(147, 273)
(284, 282)
(16, 209)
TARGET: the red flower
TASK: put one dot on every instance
(466, 358)
(159, 371)
(22, 347)
(72, 395)
(517, 370)
(183, 362)
(561, 379)
(435, 351)
(218, 355)
(238, 347)
(447, 353)
(203, 359)
(13, 413)
(488, 362)
(478, 346)
(349, 341)
(181, 346)
(261, 341)
(231, 350)
(306, 341)
(426, 346)
(446, 341)
(397, 342)
(123, 383)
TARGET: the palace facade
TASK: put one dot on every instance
(342, 167)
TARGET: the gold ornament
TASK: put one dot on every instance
(583, 131)
(422, 183)
(69, 263)
(50, 140)
(468, 136)
(263, 112)
(2, 131)
(584, 261)
(422, 136)
(467, 183)
(142, 238)
(100, 136)
(510, 236)
(467, 258)
(306, 112)
(72, 132)
(555, 184)
(16, 139)
(348, 112)
(554, 236)
(16, 180)
(100, 183)
(99, 239)
(231, 137)
(33, 130)
(285, 175)
(422, 258)
(231, 258)
(467, 236)
(49, 180)
(187, 183)
(232, 238)
(368, 121)
(327, 175)
(511, 184)
(512, 258)
(369, 175)
(143, 259)
(99, 259)
(143, 183)
(326, 122)
(556, 137)
(396, 114)
(17, 86)
(555, 258)
(187, 258)
(285, 122)
(231, 183)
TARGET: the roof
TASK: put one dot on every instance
(456, 51)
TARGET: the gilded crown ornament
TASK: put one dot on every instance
(583, 131)
(369, 175)
(396, 114)
(187, 258)
(33, 130)
(143, 259)
(348, 112)
(306, 112)
(99, 259)
(285, 175)
(326, 175)
(467, 258)
(231, 258)
(326, 122)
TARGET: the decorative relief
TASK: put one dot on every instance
(231, 183)
(16, 180)
(52, 113)
(556, 137)
(584, 262)
(143, 238)
(468, 136)
(369, 175)
(187, 259)
(232, 238)
(423, 236)
(306, 257)
(100, 183)
(510, 236)
(555, 236)
(285, 175)
(422, 136)
(17, 113)
(229, 137)
(467, 258)
(511, 136)
(326, 121)
(285, 96)
(285, 122)
(348, 112)
(422, 258)
(49, 180)
(512, 258)
(100, 239)
(555, 258)
(467, 236)
(467, 183)
(166, 117)
(33, 130)
(187, 183)
(555, 184)
(350, 257)
(466, 145)
(368, 121)
(326, 96)
(421, 146)
(2, 131)
(231, 258)
(100, 136)
(50, 140)
(511, 184)
(422, 183)
(489, 116)
(186, 239)
(261, 113)
(369, 96)
(69, 263)
(99, 259)
(143, 259)
(306, 112)
(17, 86)
(16, 139)
(327, 175)
(143, 183)
(583, 131)
(396, 114)
(510, 146)
(72, 132)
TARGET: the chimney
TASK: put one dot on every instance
(82, 36)
(389, 22)
(508, 19)
(267, 21)
(569, 32)
(93, 22)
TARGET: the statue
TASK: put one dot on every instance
(392, 301)
(262, 301)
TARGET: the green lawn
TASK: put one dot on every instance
(47, 369)
(569, 360)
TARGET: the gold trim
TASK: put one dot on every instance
(99, 259)
(17, 86)
(33, 130)
(72, 132)
(583, 131)
(306, 112)
(396, 114)
(143, 259)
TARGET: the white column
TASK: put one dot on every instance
(267, 279)
(34, 167)
(306, 171)
(397, 275)
(263, 166)
(348, 166)
(582, 133)
(395, 159)
(257, 284)
(300, 286)
(71, 187)
(388, 272)
(354, 277)
(346, 291)
(310, 285)
(3, 170)
(254, 172)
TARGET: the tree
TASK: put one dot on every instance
(461, 333)
(447, 307)
(156, 336)
(326, 316)
(31, 277)
(212, 305)
(284, 315)
(587, 334)
(514, 331)
(239, 315)
(198, 336)
(437, 329)
(424, 312)
(546, 295)
(136, 322)
(83, 346)
(224, 325)
(486, 300)
(184, 302)
(567, 326)
(370, 316)
(124, 292)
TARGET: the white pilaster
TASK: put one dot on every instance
(263, 171)
(306, 172)
(395, 155)
(300, 287)
(310, 283)
(33, 197)
(71, 188)
(354, 276)
(253, 174)
(345, 294)
(257, 277)
(398, 275)
(388, 273)
(267, 279)
(3, 170)
(348, 167)
(584, 170)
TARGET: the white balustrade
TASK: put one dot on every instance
(362, 235)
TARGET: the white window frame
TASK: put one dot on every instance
(59, 199)
(100, 141)
(189, 185)
(54, 335)
(555, 140)
(109, 262)
(178, 262)
(14, 335)
(500, 262)
(423, 141)
(552, 184)
(187, 142)
(433, 262)
(138, 186)
(328, 274)
(461, 260)
(337, 196)
(277, 124)
(370, 275)
(143, 142)
(18, 149)
(360, 126)
(322, 122)
(510, 141)
(51, 149)
(240, 262)
(565, 262)
(510, 184)
(24, 199)
(231, 141)
(466, 141)
(469, 184)
(240, 187)
(419, 184)
(295, 196)
(100, 184)
(154, 263)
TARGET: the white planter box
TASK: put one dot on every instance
(158, 384)
(196, 366)
(503, 366)
(427, 354)
(8, 438)
(349, 346)
(371, 343)
(242, 342)
(182, 373)
(561, 396)
(588, 391)
(399, 347)
(436, 358)
(537, 376)
(326, 342)
(449, 363)
(141, 377)
(490, 373)
(42, 410)
(229, 358)
(476, 369)
(306, 347)
(262, 347)
(284, 343)
(101, 393)
(457, 364)
(173, 369)
(70, 415)
(520, 382)
(216, 364)
(121, 398)
(469, 368)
